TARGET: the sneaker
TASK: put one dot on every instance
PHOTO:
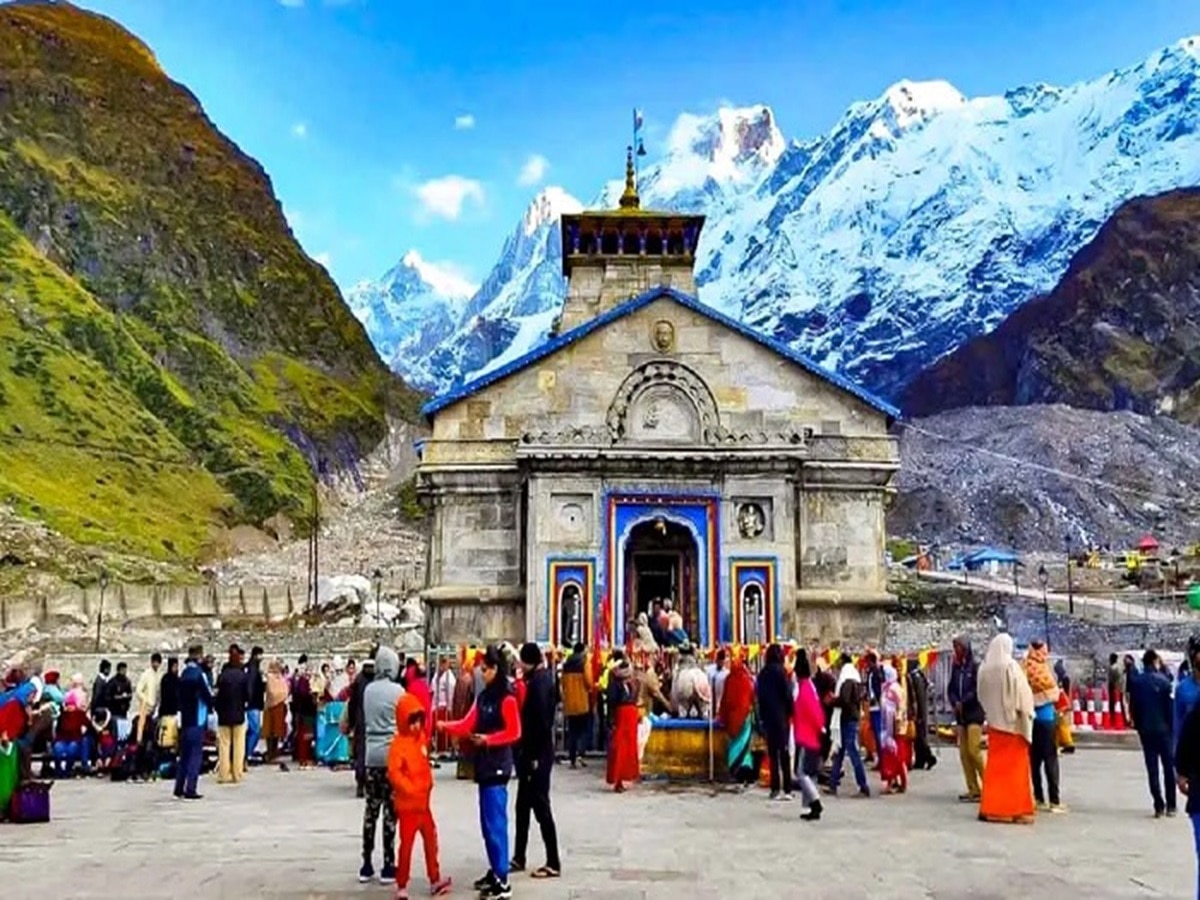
(1158, 814)
(366, 873)
(1171, 813)
(441, 888)
(484, 882)
(864, 792)
(814, 812)
(498, 891)
(387, 874)
(516, 865)
(787, 798)
(1057, 808)
(774, 795)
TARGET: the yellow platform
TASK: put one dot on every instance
(679, 749)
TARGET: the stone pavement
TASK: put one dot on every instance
(296, 835)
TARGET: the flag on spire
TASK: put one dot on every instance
(638, 121)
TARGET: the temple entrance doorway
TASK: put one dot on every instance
(660, 564)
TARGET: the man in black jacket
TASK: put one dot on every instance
(118, 695)
(535, 761)
(100, 689)
(256, 700)
(774, 693)
(233, 694)
(963, 694)
(357, 723)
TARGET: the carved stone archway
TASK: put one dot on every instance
(663, 401)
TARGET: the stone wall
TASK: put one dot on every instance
(597, 286)
(124, 602)
(754, 388)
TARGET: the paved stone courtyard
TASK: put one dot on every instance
(296, 835)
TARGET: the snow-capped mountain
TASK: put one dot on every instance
(412, 308)
(920, 220)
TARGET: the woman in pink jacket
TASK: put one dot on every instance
(808, 723)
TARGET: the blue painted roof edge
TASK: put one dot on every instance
(632, 305)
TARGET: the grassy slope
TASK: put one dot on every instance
(148, 259)
(143, 492)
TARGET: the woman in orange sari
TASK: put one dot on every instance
(623, 743)
(1007, 702)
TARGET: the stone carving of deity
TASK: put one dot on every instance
(751, 521)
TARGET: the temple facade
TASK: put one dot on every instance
(653, 448)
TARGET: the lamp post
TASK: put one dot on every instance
(1070, 587)
(100, 611)
(377, 580)
(1174, 560)
(1043, 580)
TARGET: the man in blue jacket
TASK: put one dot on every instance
(1187, 692)
(195, 702)
(1150, 696)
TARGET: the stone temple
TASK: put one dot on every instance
(653, 447)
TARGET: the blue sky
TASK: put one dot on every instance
(389, 124)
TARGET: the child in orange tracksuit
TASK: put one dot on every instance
(411, 778)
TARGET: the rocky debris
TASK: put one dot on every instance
(365, 526)
(993, 475)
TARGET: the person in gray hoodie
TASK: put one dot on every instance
(379, 726)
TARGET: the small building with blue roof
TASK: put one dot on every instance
(655, 457)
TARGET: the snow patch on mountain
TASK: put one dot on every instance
(921, 219)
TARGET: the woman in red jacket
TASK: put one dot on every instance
(808, 724)
(494, 726)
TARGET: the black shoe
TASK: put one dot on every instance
(516, 865)
(1158, 814)
(931, 763)
(485, 882)
(193, 796)
(1170, 812)
(497, 891)
(814, 812)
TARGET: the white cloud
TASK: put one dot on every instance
(323, 258)
(449, 279)
(446, 197)
(464, 122)
(300, 130)
(533, 171)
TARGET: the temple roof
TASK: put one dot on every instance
(554, 344)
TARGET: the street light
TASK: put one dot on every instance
(100, 611)
(1174, 560)
(1044, 579)
(1070, 589)
(377, 580)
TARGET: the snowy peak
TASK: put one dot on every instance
(550, 205)
(730, 138)
(441, 279)
(907, 104)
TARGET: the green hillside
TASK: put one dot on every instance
(165, 343)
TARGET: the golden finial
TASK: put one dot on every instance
(629, 199)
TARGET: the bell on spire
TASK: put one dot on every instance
(629, 199)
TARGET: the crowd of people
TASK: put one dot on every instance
(797, 721)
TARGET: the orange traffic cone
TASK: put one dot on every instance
(1076, 708)
(1119, 722)
(1105, 718)
(764, 771)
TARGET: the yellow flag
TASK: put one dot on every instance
(754, 651)
(923, 658)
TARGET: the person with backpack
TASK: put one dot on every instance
(848, 696)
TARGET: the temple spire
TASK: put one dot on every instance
(629, 199)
